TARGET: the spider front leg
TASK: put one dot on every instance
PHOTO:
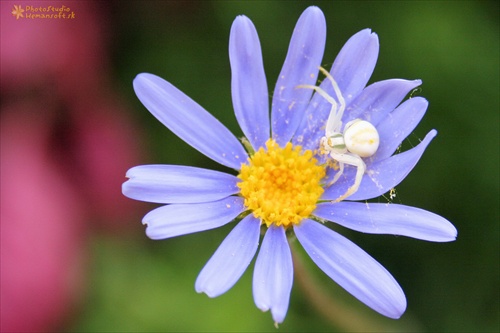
(334, 121)
(354, 160)
(338, 174)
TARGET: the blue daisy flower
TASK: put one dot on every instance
(283, 178)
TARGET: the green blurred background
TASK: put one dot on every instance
(136, 284)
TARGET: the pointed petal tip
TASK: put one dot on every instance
(149, 232)
(315, 14)
(397, 314)
(368, 31)
(313, 9)
(366, 34)
(305, 53)
(273, 274)
(278, 317)
(137, 78)
(201, 290)
(418, 99)
(396, 308)
(241, 19)
(142, 78)
(262, 307)
(125, 189)
(452, 233)
(401, 310)
(230, 260)
(363, 277)
(128, 174)
(132, 172)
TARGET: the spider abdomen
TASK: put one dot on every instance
(361, 138)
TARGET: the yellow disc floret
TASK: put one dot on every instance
(281, 186)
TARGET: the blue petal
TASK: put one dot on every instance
(381, 176)
(355, 63)
(301, 67)
(273, 274)
(392, 219)
(248, 84)
(189, 121)
(398, 124)
(231, 259)
(178, 184)
(181, 219)
(351, 70)
(373, 104)
(378, 99)
(352, 268)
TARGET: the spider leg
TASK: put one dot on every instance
(322, 93)
(353, 160)
(334, 122)
(337, 175)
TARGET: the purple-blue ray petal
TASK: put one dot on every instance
(248, 83)
(189, 121)
(351, 70)
(397, 125)
(393, 219)
(381, 176)
(273, 274)
(181, 219)
(378, 99)
(372, 104)
(231, 259)
(355, 63)
(178, 184)
(352, 268)
(301, 67)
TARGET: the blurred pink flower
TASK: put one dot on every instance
(66, 142)
(41, 227)
(105, 144)
(71, 51)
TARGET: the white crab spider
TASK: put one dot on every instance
(359, 138)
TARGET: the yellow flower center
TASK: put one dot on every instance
(281, 186)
